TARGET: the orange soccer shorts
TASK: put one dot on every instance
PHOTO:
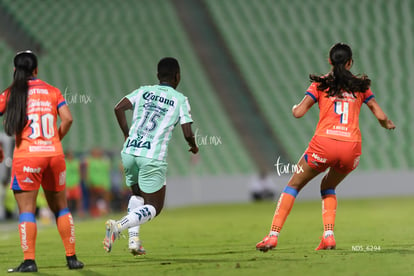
(29, 173)
(324, 152)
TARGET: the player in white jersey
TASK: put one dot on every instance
(157, 109)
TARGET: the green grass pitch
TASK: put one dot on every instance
(374, 237)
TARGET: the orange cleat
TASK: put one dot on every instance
(268, 243)
(327, 243)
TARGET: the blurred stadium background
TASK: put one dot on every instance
(244, 64)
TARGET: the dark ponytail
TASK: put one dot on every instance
(340, 79)
(15, 117)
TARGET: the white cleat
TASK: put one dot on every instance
(135, 247)
(112, 233)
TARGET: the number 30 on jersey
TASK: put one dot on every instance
(41, 126)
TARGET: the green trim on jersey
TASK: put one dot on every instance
(157, 109)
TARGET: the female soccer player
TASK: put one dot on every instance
(336, 144)
(157, 110)
(31, 106)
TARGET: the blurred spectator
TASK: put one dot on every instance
(73, 184)
(262, 188)
(98, 173)
(120, 192)
(7, 202)
(84, 188)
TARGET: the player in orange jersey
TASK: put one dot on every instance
(31, 107)
(336, 144)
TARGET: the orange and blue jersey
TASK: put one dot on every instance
(40, 136)
(339, 116)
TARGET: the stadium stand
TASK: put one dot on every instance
(97, 51)
(277, 45)
(101, 50)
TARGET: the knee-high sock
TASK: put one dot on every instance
(28, 233)
(284, 205)
(66, 228)
(137, 217)
(329, 204)
(134, 202)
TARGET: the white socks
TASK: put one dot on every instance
(137, 217)
(328, 233)
(134, 203)
(274, 233)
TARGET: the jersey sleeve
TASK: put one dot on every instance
(185, 112)
(368, 95)
(132, 97)
(313, 91)
(3, 100)
(60, 99)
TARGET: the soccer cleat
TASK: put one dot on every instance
(112, 233)
(135, 247)
(73, 263)
(327, 243)
(268, 243)
(26, 266)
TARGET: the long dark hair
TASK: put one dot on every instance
(340, 79)
(15, 117)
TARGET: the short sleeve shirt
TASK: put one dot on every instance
(157, 109)
(339, 116)
(40, 136)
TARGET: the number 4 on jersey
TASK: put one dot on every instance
(342, 108)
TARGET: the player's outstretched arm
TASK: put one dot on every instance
(380, 115)
(298, 110)
(120, 109)
(66, 120)
(189, 137)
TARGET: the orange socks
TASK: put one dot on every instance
(329, 204)
(28, 233)
(284, 205)
(66, 228)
